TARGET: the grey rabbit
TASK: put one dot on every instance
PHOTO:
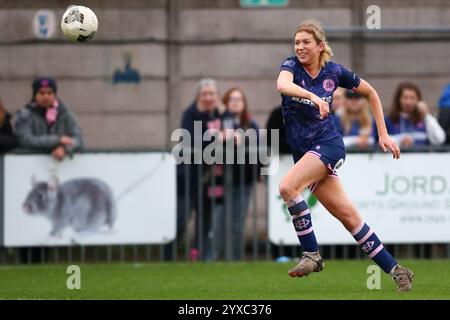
(85, 204)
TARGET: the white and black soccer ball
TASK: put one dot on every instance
(79, 23)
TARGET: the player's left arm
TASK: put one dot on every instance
(385, 141)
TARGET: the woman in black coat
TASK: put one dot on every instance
(8, 140)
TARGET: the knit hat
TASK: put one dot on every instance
(43, 82)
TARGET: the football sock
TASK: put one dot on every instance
(372, 246)
(301, 218)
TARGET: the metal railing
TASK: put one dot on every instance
(207, 229)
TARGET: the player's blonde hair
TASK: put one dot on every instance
(315, 28)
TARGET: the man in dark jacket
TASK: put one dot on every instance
(46, 124)
(8, 140)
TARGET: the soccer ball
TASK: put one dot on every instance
(79, 23)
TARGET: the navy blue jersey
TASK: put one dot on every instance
(301, 117)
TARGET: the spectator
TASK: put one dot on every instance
(409, 120)
(444, 112)
(238, 117)
(207, 109)
(338, 101)
(355, 122)
(275, 121)
(46, 124)
(8, 140)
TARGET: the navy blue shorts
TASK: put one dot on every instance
(331, 153)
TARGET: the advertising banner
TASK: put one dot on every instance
(94, 199)
(404, 201)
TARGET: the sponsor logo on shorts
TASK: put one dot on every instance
(338, 164)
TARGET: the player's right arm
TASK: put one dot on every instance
(287, 87)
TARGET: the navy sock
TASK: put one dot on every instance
(301, 218)
(372, 246)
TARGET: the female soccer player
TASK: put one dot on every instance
(306, 82)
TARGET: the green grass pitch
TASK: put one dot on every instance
(341, 279)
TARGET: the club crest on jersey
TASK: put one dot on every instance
(328, 85)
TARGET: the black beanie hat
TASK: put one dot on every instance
(43, 82)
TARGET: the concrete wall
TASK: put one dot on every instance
(172, 44)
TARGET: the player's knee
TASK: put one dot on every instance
(349, 217)
(287, 190)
